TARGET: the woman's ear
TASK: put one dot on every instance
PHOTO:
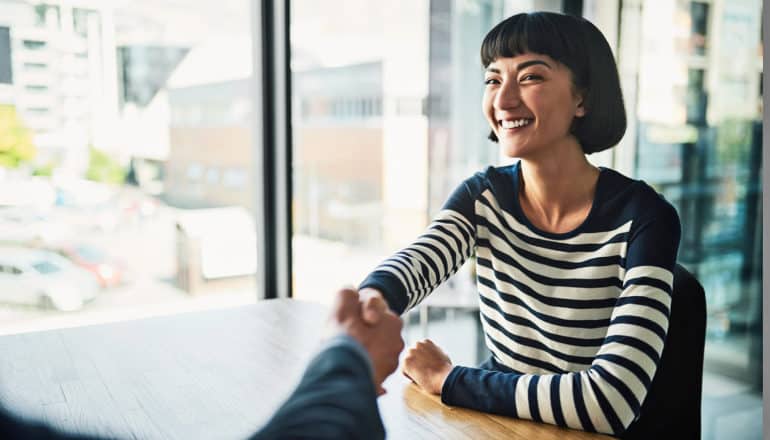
(580, 110)
(579, 99)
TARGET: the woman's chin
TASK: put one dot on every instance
(512, 150)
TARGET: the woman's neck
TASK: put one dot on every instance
(556, 194)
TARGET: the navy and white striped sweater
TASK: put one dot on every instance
(576, 322)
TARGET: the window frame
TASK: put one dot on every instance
(272, 146)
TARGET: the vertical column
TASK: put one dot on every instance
(405, 125)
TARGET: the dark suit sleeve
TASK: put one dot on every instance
(335, 399)
(12, 427)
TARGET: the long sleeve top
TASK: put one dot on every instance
(576, 322)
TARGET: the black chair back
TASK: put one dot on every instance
(672, 408)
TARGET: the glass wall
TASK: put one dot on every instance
(693, 73)
(125, 160)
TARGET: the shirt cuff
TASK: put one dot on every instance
(449, 382)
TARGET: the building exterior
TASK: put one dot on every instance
(64, 80)
(210, 146)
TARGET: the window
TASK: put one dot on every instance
(235, 178)
(80, 21)
(34, 45)
(212, 176)
(194, 172)
(698, 140)
(36, 88)
(45, 267)
(372, 160)
(127, 157)
(35, 66)
(40, 14)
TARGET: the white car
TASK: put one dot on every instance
(43, 278)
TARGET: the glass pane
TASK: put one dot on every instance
(126, 150)
(359, 88)
(698, 131)
(377, 143)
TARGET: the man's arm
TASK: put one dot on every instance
(336, 398)
(13, 427)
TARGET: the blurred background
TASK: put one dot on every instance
(127, 176)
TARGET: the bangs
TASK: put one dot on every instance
(536, 33)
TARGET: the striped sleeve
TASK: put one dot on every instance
(607, 396)
(408, 276)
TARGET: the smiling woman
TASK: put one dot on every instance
(530, 103)
(574, 262)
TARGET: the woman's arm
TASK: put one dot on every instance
(408, 276)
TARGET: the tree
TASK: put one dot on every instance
(16, 144)
(104, 168)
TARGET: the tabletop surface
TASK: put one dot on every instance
(217, 374)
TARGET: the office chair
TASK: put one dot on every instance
(672, 408)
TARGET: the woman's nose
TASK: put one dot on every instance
(508, 96)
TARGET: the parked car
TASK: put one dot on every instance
(108, 272)
(43, 278)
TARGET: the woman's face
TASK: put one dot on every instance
(530, 102)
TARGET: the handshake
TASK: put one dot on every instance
(369, 321)
(365, 317)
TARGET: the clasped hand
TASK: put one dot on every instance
(425, 364)
(375, 327)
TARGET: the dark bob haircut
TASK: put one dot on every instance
(579, 45)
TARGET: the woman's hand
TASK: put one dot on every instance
(427, 366)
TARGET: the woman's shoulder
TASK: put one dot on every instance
(634, 198)
(497, 177)
(496, 172)
(492, 177)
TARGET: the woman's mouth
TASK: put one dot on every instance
(514, 123)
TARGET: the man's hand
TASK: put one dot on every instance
(381, 339)
(374, 305)
(427, 366)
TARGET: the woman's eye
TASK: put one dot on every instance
(489, 81)
(530, 77)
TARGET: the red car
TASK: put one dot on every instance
(108, 273)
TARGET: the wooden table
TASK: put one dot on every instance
(207, 375)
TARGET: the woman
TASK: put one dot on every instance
(574, 263)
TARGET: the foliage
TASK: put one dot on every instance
(45, 170)
(16, 145)
(104, 168)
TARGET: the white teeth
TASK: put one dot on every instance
(514, 124)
